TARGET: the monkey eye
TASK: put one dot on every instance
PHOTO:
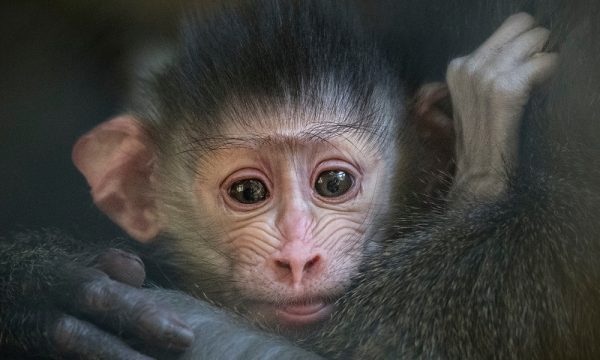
(333, 183)
(248, 191)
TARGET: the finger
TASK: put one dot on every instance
(122, 266)
(514, 26)
(538, 69)
(124, 308)
(523, 47)
(72, 337)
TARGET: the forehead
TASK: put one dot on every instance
(286, 125)
(310, 141)
(283, 127)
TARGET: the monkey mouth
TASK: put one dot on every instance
(294, 314)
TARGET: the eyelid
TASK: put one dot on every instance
(336, 164)
(246, 174)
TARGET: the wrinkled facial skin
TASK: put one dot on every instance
(296, 215)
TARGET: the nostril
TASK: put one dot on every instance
(308, 264)
(312, 262)
(283, 264)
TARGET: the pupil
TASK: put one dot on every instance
(333, 185)
(248, 191)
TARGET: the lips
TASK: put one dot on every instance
(303, 314)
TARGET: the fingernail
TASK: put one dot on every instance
(127, 255)
(122, 266)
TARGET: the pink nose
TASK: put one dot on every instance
(297, 265)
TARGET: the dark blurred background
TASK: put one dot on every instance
(65, 66)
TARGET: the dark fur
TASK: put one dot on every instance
(269, 54)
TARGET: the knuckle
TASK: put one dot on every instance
(66, 333)
(455, 65)
(473, 68)
(144, 311)
(151, 320)
(469, 70)
(507, 88)
(94, 294)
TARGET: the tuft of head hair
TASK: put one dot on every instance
(310, 58)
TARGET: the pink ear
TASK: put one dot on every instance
(432, 112)
(117, 159)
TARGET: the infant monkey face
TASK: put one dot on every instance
(295, 214)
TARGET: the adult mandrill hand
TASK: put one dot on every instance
(497, 79)
(80, 305)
